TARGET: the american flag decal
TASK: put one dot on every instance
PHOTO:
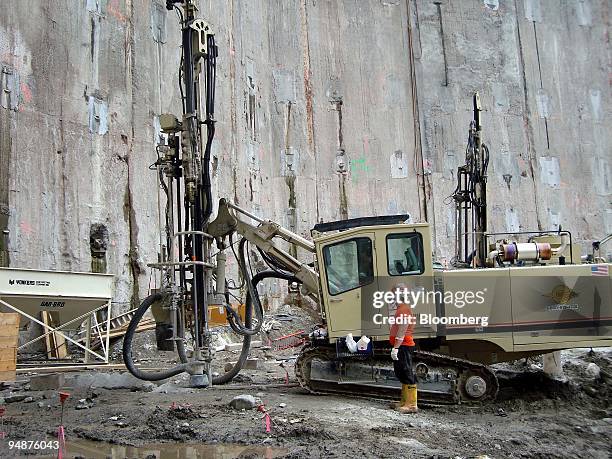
(599, 270)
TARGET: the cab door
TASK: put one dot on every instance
(406, 262)
(349, 270)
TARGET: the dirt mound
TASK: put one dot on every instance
(531, 386)
(586, 383)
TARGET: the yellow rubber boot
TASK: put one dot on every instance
(403, 399)
(409, 403)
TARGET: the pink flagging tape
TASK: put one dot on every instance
(267, 421)
(62, 442)
(2, 411)
(266, 418)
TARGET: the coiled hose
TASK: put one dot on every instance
(127, 346)
(221, 379)
(248, 320)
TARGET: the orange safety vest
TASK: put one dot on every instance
(405, 311)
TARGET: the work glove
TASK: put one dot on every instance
(394, 354)
(362, 344)
(350, 343)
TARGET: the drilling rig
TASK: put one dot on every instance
(193, 280)
(536, 297)
(183, 169)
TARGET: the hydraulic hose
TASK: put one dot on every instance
(221, 379)
(248, 318)
(211, 70)
(253, 301)
(127, 346)
(244, 353)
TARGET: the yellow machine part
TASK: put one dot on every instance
(217, 316)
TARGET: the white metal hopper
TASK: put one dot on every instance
(71, 296)
(68, 294)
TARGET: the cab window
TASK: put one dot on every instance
(405, 254)
(348, 265)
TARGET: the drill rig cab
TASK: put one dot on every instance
(365, 255)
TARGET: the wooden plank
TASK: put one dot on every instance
(8, 359)
(55, 342)
(64, 368)
(7, 365)
(61, 350)
(9, 325)
(49, 341)
(8, 354)
(8, 341)
(95, 342)
(5, 333)
(9, 319)
(9, 338)
(82, 367)
(142, 327)
(7, 375)
(147, 324)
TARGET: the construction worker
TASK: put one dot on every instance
(401, 339)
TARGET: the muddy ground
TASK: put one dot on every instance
(534, 416)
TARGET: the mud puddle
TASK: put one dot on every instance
(95, 450)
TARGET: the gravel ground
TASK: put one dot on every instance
(112, 414)
(534, 416)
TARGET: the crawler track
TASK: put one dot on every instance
(458, 374)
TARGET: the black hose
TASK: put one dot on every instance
(274, 263)
(244, 353)
(127, 346)
(248, 317)
(211, 75)
(206, 173)
(221, 379)
(252, 296)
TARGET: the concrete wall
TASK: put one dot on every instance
(542, 70)
(326, 109)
